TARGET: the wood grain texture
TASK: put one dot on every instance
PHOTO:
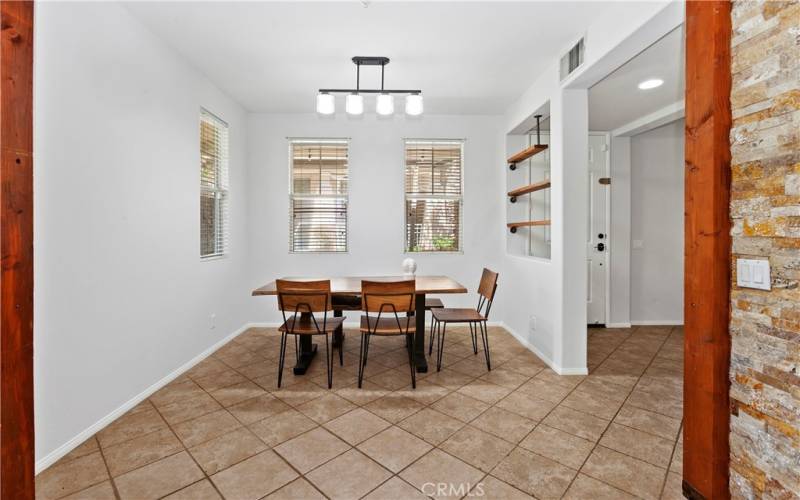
(527, 153)
(530, 188)
(351, 285)
(529, 223)
(16, 245)
(707, 249)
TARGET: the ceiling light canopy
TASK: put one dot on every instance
(651, 84)
(354, 103)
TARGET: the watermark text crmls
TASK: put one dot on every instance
(457, 490)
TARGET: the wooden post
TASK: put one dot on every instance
(707, 270)
(16, 249)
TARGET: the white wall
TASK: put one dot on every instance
(657, 188)
(121, 296)
(619, 286)
(376, 203)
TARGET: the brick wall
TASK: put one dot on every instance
(765, 211)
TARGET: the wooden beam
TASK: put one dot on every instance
(16, 248)
(707, 268)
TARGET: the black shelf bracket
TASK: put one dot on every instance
(513, 229)
(513, 199)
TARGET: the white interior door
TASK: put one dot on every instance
(597, 237)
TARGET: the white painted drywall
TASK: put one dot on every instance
(657, 189)
(619, 286)
(122, 298)
(376, 201)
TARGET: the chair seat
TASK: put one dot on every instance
(387, 325)
(433, 303)
(305, 326)
(452, 315)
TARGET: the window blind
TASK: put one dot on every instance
(318, 204)
(434, 195)
(213, 186)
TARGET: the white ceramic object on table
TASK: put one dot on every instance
(409, 267)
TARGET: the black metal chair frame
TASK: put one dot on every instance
(298, 312)
(474, 325)
(365, 336)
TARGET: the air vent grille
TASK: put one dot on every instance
(572, 59)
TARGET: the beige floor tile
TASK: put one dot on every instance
(505, 378)
(568, 381)
(546, 390)
(395, 489)
(299, 489)
(577, 423)
(624, 472)
(677, 459)
(159, 478)
(201, 429)
(176, 391)
(357, 426)
(558, 445)
(638, 444)
(439, 467)
(425, 393)
(447, 378)
(299, 393)
(131, 425)
(226, 450)
(85, 448)
(460, 406)
(229, 396)
(477, 448)
(526, 405)
(350, 475)
(484, 391)
(473, 366)
(504, 424)
(187, 409)
(134, 453)
(211, 383)
(592, 404)
(201, 490)
(69, 477)
(208, 366)
(658, 404)
(257, 408)
(534, 474)
(584, 487)
(368, 393)
(309, 450)
(523, 366)
(431, 425)
(394, 448)
(325, 408)
(392, 379)
(255, 477)
(258, 370)
(102, 491)
(491, 488)
(394, 408)
(647, 421)
(282, 427)
(673, 488)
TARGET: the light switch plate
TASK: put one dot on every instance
(753, 273)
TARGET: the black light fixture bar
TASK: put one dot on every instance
(369, 61)
(368, 91)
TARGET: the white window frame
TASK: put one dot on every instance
(460, 198)
(346, 197)
(221, 191)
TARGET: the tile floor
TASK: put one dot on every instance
(223, 430)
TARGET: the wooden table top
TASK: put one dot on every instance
(351, 285)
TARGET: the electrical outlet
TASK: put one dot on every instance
(212, 321)
(532, 323)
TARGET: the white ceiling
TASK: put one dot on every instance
(467, 57)
(617, 100)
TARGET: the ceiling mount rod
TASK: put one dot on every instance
(538, 132)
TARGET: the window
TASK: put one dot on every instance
(213, 186)
(318, 195)
(434, 192)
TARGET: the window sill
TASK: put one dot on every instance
(209, 258)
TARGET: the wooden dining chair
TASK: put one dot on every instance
(475, 318)
(384, 304)
(304, 301)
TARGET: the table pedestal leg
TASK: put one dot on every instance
(419, 338)
(307, 352)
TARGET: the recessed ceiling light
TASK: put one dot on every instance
(651, 84)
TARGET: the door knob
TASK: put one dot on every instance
(600, 247)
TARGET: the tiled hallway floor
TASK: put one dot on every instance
(224, 430)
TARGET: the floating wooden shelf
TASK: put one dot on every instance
(530, 188)
(525, 154)
(514, 225)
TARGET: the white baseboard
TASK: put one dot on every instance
(73, 443)
(618, 325)
(552, 364)
(658, 322)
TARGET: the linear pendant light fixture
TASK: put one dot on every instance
(354, 102)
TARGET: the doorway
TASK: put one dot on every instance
(597, 248)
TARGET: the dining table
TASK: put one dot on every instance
(347, 288)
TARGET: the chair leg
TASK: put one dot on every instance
(281, 358)
(361, 361)
(329, 361)
(430, 340)
(441, 348)
(366, 349)
(485, 338)
(410, 340)
(296, 349)
(474, 334)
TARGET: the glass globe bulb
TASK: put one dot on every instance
(354, 104)
(325, 104)
(414, 104)
(385, 104)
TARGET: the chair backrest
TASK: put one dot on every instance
(486, 290)
(304, 296)
(387, 296)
